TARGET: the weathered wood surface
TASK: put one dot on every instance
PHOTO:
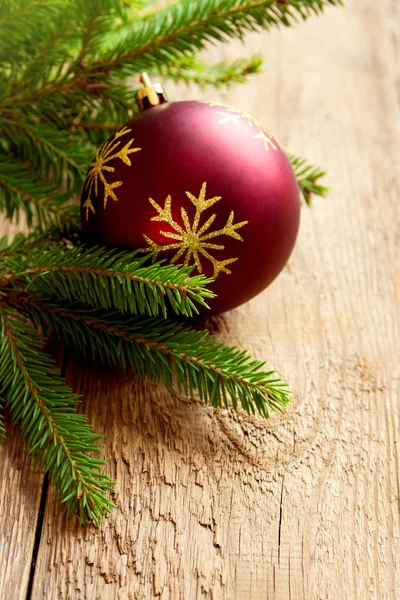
(214, 505)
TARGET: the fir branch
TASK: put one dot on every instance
(41, 63)
(186, 27)
(22, 191)
(98, 117)
(21, 20)
(57, 157)
(179, 30)
(111, 279)
(95, 124)
(24, 19)
(98, 17)
(2, 428)
(45, 409)
(308, 177)
(4, 242)
(26, 13)
(22, 244)
(88, 36)
(193, 70)
(150, 7)
(96, 131)
(161, 350)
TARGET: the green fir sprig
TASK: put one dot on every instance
(23, 191)
(106, 277)
(45, 409)
(309, 178)
(222, 74)
(187, 27)
(165, 352)
(64, 88)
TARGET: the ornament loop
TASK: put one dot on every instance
(151, 94)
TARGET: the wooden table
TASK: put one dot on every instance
(219, 506)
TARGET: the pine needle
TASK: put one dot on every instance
(161, 350)
(108, 277)
(45, 409)
(308, 177)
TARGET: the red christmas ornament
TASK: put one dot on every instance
(198, 183)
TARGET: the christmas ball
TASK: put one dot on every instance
(198, 183)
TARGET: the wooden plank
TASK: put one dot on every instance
(20, 492)
(215, 505)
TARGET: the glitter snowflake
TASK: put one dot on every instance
(234, 116)
(193, 239)
(100, 165)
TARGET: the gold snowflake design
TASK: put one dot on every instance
(193, 240)
(99, 166)
(235, 115)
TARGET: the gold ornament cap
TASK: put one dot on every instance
(151, 94)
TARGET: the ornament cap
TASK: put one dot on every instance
(151, 94)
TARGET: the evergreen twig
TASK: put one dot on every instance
(23, 191)
(161, 349)
(109, 278)
(179, 30)
(51, 151)
(193, 70)
(187, 27)
(308, 177)
(45, 409)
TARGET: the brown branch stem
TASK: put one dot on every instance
(130, 337)
(183, 289)
(104, 66)
(65, 218)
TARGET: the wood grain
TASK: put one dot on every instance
(20, 492)
(305, 506)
